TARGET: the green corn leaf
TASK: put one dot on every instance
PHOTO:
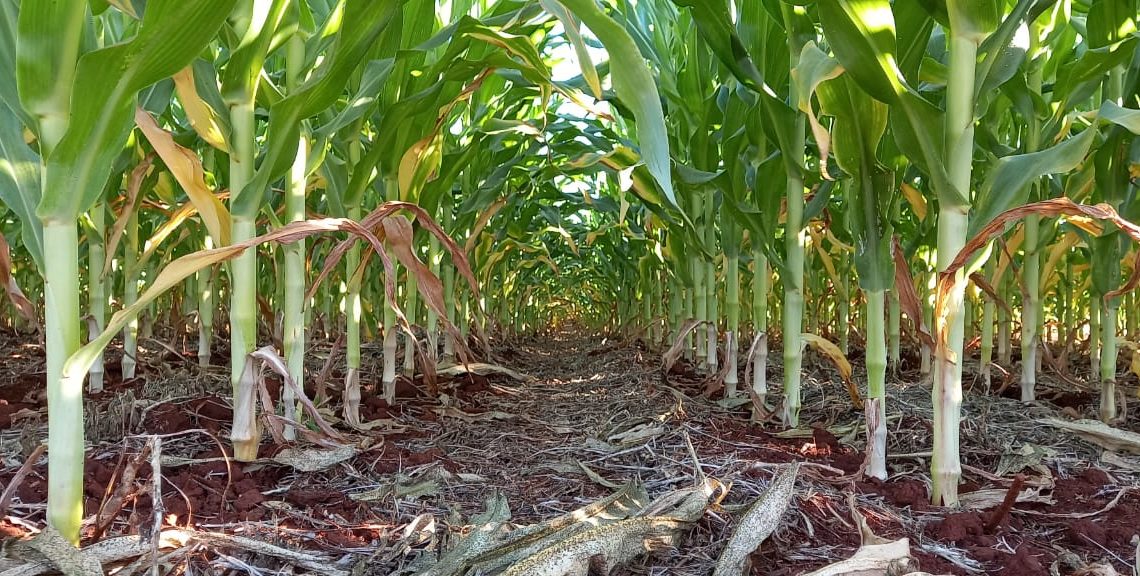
(974, 19)
(50, 36)
(860, 122)
(171, 35)
(363, 23)
(1127, 118)
(20, 182)
(862, 36)
(715, 24)
(259, 21)
(373, 77)
(914, 26)
(1007, 184)
(1076, 82)
(1000, 56)
(9, 11)
(636, 87)
(589, 71)
(1110, 21)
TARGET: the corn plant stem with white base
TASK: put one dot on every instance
(1031, 269)
(986, 355)
(205, 297)
(96, 290)
(1112, 89)
(431, 326)
(894, 331)
(1108, 357)
(130, 295)
(713, 302)
(65, 402)
(796, 238)
(243, 281)
(876, 383)
(731, 243)
(388, 378)
(352, 314)
(760, 288)
(412, 297)
(1094, 336)
(293, 304)
(449, 342)
(1030, 307)
(953, 222)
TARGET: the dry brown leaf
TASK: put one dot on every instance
(130, 206)
(980, 282)
(670, 357)
(908, 296)
(481, 223)
(1055, 207)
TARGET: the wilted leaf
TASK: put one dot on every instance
(833, 353)
(1056, 207)
(314, 459)
(129, 207)
(1100, 434)
(186, 167)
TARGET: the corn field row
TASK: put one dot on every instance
(944, 180)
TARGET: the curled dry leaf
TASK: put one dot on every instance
(1078, 214)
(980, 282)
(130, 206)
(1100, 434)
(670, 357)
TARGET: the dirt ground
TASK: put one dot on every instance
(597, 414)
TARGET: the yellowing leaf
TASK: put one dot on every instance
(203, 119)
(1011, 247)
(916, 200)
(187, 169)
(565, 236)
(419, 165)
(1059, 249)
(1087, 224)
(484, 218)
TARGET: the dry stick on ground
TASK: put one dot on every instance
(1002, 511)
(113, 502)
(158, 510)
(25, 469)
